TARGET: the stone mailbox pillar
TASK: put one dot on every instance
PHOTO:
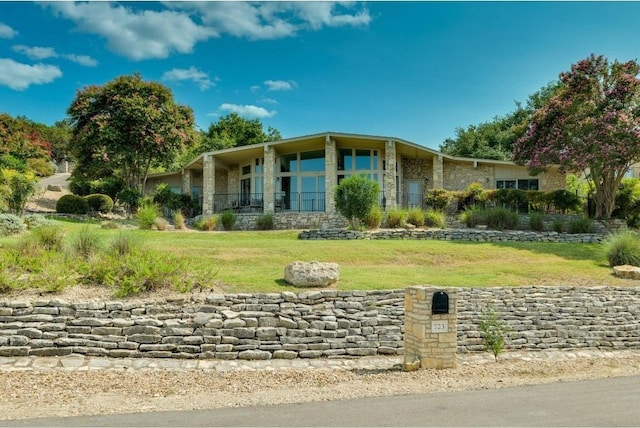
(430, 328)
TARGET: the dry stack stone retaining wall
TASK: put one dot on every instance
(476, 235)
(312, 324)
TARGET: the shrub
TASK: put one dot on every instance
(396, 218)
(228, 219)
(264, 222)
(415, 216)
(147, 215)
(502, 218)
(20, 187)
(373, 219)
(72, 204)
(111, 186)
(473, 195)
(100, 203)
(558, 226)
(161, 223)
(35, 220)
(580, 225)
(11, 225)
(178, 220)
(49, 237)
(536, 221)
(207, 223)
(438, 199)
(565, 201)
(131, 199)
(354, 197)
(473, 216)
(41, 167)
(109, 225)
(86, 243)
(122, 244)
(623, 248)
(435, 218)
(494, 332)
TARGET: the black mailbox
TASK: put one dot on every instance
(440, 303)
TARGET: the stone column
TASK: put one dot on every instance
(389, 185)
(330, 174)
(268, 197)
(430, 339)
(438, 172)
(187, 176)
(208, 184)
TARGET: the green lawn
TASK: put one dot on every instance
(254, 261)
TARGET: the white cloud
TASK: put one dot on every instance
(248, 110)
(85, 60)
(191, 73)
(39, 52)
(273, 20)
(36, 52)
(20, 76)
(136, 35)
(280, 85)
(265, 100)
(7, 32)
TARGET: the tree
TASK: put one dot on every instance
(126, 127)
(592, 124)
(355, 196)
(495, 139)
(21, 140)
(15, 189)
(233, 130)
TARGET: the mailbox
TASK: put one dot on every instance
(440, 303)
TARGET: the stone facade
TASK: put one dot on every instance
(458, 176)
(293, 220)
(313, 324)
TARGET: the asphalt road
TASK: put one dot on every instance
(601, 402)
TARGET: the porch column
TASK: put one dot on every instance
(330, 174)
(208, 184)
(389, 185)
(438, 172)
(268, 180)
(186, 181)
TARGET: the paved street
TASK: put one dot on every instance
(601, 402)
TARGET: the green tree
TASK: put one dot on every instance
(22, 140)
(233, 130)
(592, 124)
(495, 139)
(354, 197)
(125, 128)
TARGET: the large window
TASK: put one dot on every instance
(522, 184)
(359, 161)
(300, 186)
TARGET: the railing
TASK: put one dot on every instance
(283, 201)
(237, 202)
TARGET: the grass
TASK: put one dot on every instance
(254, 261)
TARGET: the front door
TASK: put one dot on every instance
(414, 194)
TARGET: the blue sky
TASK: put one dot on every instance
(411, 70)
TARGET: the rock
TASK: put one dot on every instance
(311, 274)
(627, 271)
(54, 188)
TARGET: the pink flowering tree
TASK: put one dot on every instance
(592, 124)
(126, 127)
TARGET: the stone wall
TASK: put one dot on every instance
(312, 324)
(458, 176)
(293, 220)
(474, 235)
(553, 317)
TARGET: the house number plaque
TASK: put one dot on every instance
(439, 326)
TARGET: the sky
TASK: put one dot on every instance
(409, 70)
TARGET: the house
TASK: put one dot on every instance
(294, 178)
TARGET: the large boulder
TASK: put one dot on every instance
(312, 274)
(627, 271)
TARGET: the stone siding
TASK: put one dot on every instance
(474, 235)
(417, 169)
(288, 221)
(312, 324)
(458, 176)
